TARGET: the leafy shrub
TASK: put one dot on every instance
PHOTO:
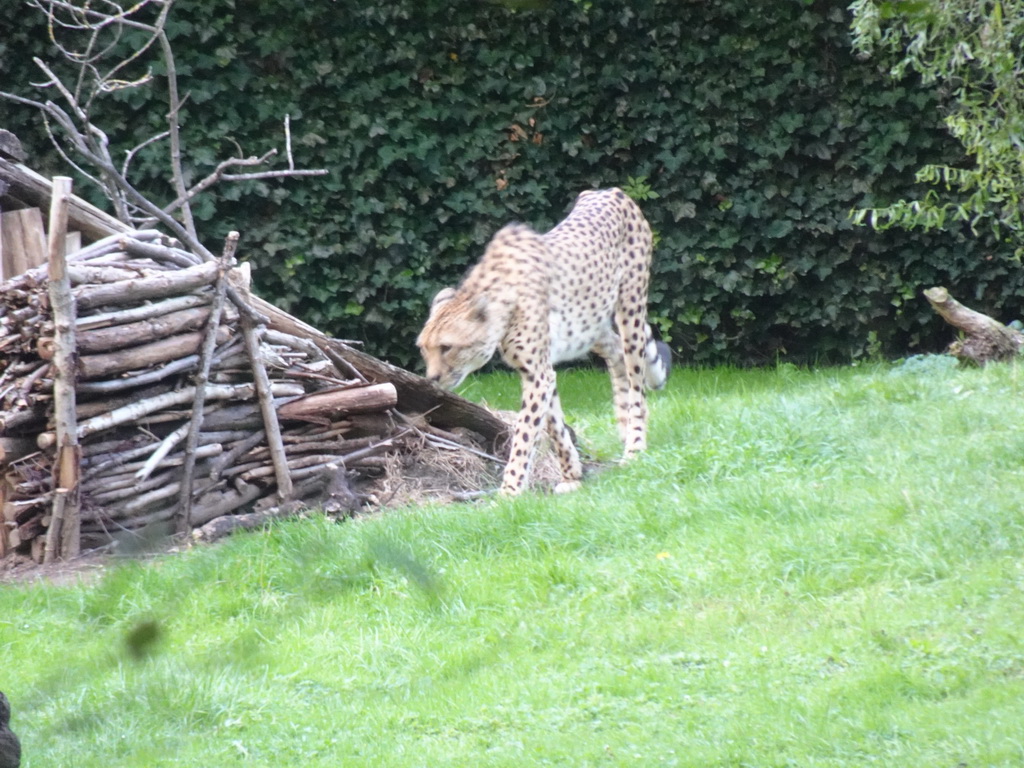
(750, 129)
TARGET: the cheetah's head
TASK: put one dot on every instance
(458, 338)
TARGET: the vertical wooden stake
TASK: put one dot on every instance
(266, 398)
(63, 539)
(227, 260)
(251, 335)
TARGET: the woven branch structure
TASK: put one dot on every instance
(144, 390)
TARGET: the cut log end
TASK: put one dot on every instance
(937, 295)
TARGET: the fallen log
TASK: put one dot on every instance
(986, 339)
(226, 524)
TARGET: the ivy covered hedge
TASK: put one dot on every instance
(749, 128)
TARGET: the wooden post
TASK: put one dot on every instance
(62, 539)
(209, 344)
(270, 423)
(22, 242)
(29, 186)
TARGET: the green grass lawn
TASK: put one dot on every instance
(807, 568)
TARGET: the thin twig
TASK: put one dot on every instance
(288, 141)
(130, 154)
(445, 443)
(272, 175)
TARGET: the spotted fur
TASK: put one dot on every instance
(545, 299)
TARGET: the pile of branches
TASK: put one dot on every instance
(141, 384)
(188, 406)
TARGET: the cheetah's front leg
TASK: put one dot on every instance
(561, 441)
(538, 393)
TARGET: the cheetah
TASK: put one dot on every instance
(545, 299)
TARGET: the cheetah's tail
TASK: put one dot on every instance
(659, 361)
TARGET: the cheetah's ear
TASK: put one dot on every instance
(444, 295)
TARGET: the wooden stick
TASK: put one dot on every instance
(120, 487)
(127, 473)
(158, 374)
(53, 533)
(269, 412)
(213, 503)
(221, 526)
(159, 253)
(109, 363)
(123, 488)
(29, 381)
(98, 407)
(97, 452)
(320, 406)
(110, 244)
(67, 465)
(105, 274)
(115, 461)
(316, 432)
(141, 331)
(141, 501)
(303, 345)
(301, 462)
(199, 400)
(142, 408)
(223, 437)
(234, 416)
(230, 457)
(303, 465)
(141, 312)
(166, 446)
(24, 421)
(135, 291)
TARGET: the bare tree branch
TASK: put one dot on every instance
(99, 27)
(220, 175)
(130, 154)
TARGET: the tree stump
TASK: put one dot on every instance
(985, 339)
